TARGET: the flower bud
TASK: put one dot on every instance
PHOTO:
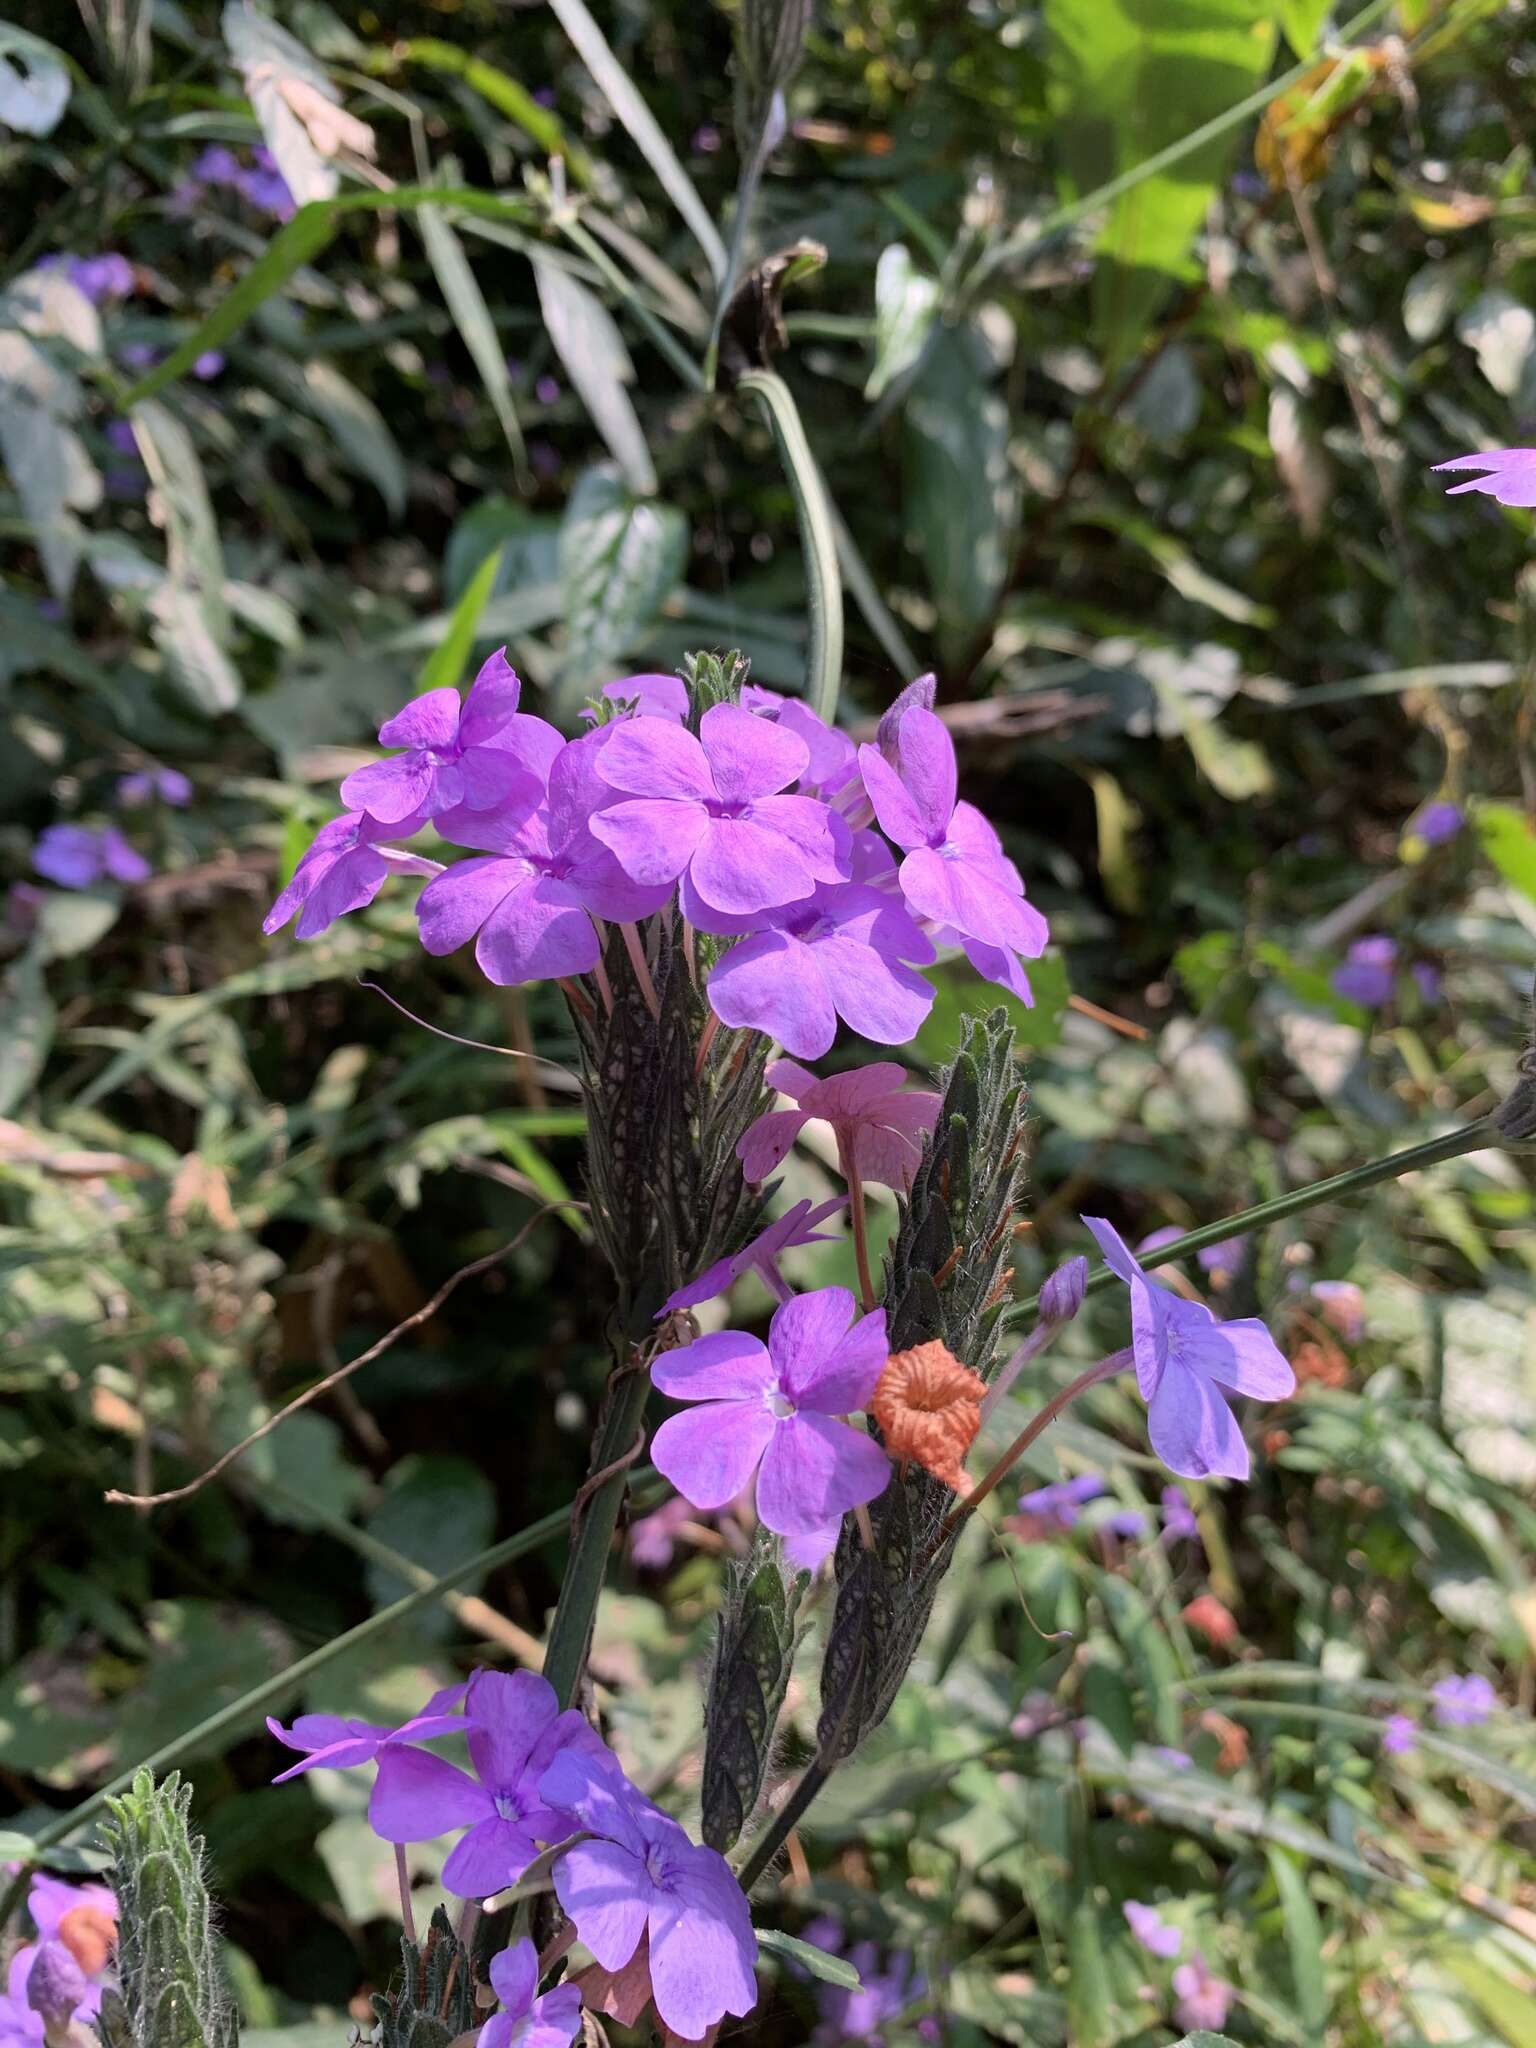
(921, 692)
(56, 1983)
(1062, 1295)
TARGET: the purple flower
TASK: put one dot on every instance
(1184, 1359)
(955, 872)
(532, 897)
(516, 1731)
(217, 166)
(1367, 975)
(1463, 1702)
(643, 1879)
(1180, 1521)
(1224, 1257)
(1152, 1931)
(120, 437)
(879, 1124)
(834, 761)
(208, 365)
(1062, 1295)
(526, 2020)
(461, 757)
(884, 1994)
(1129, 1524)
(77, 1932)
(144, 785)
(653, 1539)
(1173, 1759)
(653, 696)
(1426, 979)
(109, 276)
(1057, 1506)
(20, 2026)
(1511, 478)
(708, 810)
(796, 1226)
(1343, 1307)
(343, 870)
(837, 953)
(56, 1984)
(1399, 1735)
(1438, 822)
(265, 187)
(774, 1413)
(138, 356)
(1036, 1711)
(1200, 2000)
(79, 856)
(331, 1742)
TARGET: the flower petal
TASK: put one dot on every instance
(873, 994)
(738, 866)
(493, 697)
(515, 1976)
(537, 933)
(818, 835)
(768, 1141)
(815, 1469)
(507, 1712)
(927, 755)
(652, 838)
(652, 757)
(390, 790)
(1118, 1256)
(772, 983)
(710, 1452)
(429, 721)
(840, 1378)
(702, 1946)
(974, 899)
(1240, 1354)
(750, 756)
(494, 1854)
(455, 904)
(418, 1796)
(806, 1331)
(723, 1366)
(899, 815)
(1193, 1430)
(606, 1891)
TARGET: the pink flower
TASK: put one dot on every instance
(1511, 478)
(1201, 2000)
(879, 1124)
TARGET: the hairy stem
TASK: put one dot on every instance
(860, 1222)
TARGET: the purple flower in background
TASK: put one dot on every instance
(265, 187)
(459, 756)
(1036, 1712)
(56, 1984)
(546, 390)
(1368, 971)
(653, 696)
(1463, 1702)
(884, 1994)
(1057, 1506)
(834, 758)
(79, 856)
(643, 1879)
(955, 872)
(61, 1973)
(1152, 1931)
(1399, 1735)
(525, 2019)
(342, 870)
(138, 356)
(1200, 2000)
(1129, 1524)
(532, 897)
(1426, 979)
(516, 1730)
(1173, 1759)
(332, 1742)
(1222, 1258)
(653, 1539)
(217, 166)
(1062, 1295)
(1180, 1523)
(773, 1412)
(796, 1226)
(878, 1123)
(1343, 1307)
(208, 365)
(709, 810)
(144, 785)
(120, 437)
(108, 276)
(1185, 1359)
(1511, 478)
(1438, 822)
(705, 141)
(838, 953)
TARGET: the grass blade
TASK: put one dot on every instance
(824, 586)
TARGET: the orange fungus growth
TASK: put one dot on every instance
(928, 1406)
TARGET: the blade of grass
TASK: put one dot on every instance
(818, 539)
(501, 91)
(445, 664)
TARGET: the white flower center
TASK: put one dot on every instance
(779, 1405)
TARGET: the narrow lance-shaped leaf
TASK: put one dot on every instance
(597, 363)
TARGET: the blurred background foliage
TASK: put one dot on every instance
(1144, 480)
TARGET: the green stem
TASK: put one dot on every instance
(282, 1683)
(823, 582)
(1466, 1138)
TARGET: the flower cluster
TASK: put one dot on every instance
(259, 183)
(762, 824)
(59, 1977)
(642, 1897)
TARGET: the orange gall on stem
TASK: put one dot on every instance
(928, 1406)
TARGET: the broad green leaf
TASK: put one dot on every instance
(620, 559)
(48, 465)
(472, 317)
(815, 1961)
(434, 1511)
(34, 82)
(963, 495)
(26, 1029)
(1128, 80)
(906, 302)
(1303, 1940)
(444, 666)
(1117, 819)
(191, 617)
(592, 349)
(1508, 2008)
(1510, 843)
(1301, 23)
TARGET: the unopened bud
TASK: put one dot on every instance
(1062, 1295)
(56, 1983)
(919, 693)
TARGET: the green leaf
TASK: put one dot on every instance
(620, 559)
(434, 1510)
(1089, 2007)
(472, 317)
(1507, 2008)
(444, 666)
(26, 1029)
(505, 95)
(815, 1961)
(818, 541)
(191, 619)
(592, 349)
(1303, 1940)
(354, 422)
(960, 993)
(962, 491)
(1510, 843)
(48, 465)
(906, 302)
(1301, 23)
(1128, 80)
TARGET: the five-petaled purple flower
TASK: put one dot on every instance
(1184, 1359)
(1463, 1702)
(79, 856)
(1152, 1931)
(775, 1412)
(1399, 1735)
(59, 1976)
(1057, 1506)
(145, 785)
(1511, 475)
(516, 1730)
(643, 1878)
(955, 873)
(465, 756)
(879, 1124)
(709, 812)
(335, 1743)
(834, 761)
(1368, 971)
(533, 896)
(343, 869)
(796, 1226)
(525, 2019)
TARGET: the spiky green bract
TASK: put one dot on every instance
(173, 1993)
(754, 1653)
(434, 2002)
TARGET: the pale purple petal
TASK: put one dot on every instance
(834, 759)
(597, 880)
(710, 1452)
(650, 757)
(654, 696)
(493, 698)
(1118, 1256)
(429, 721)
(455, 904)
(749, 756)
(122, 862)
(818, 835)
(765, 1144)
(975, 901)
(1512, 478)
(492, 779)
(514, 1976)
(825, 1369)
(507, 1713)
(494, 1854)
(605, 1890)
(873, 994)
(538, 933)
(391, 790)
(1240, 1354)
(1192, 1429)
(927, 767)
(653, 839)
(346, 884)
(702, 1947)
(995, 964)
(899, 816)
(739, 865)
(808, 1549)
(888, 1146)
(532, 742)
(418, 1796)
(726, 1365)
(773, 983)
(815, 1469)
(797, 1082)
(554, 2020)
